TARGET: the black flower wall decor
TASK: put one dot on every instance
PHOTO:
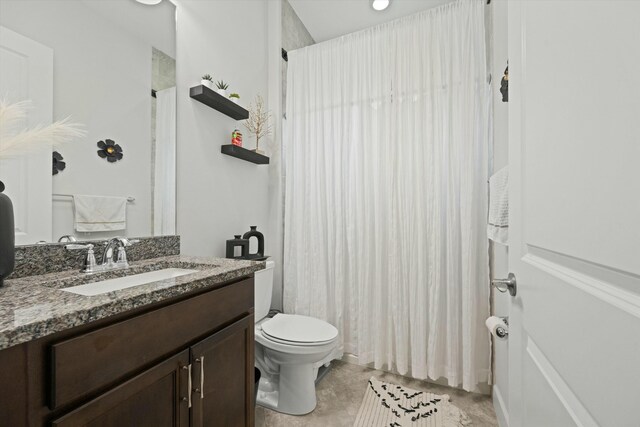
(58, 164)
(110, 150)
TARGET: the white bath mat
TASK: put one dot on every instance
(390, 405)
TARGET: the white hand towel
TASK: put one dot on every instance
(100, 213)
(498, 226)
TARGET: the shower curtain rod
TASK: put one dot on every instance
(285, 55)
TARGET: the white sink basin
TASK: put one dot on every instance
(110, 285)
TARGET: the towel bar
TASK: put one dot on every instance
(129, 198)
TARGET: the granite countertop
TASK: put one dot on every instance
(33, 307)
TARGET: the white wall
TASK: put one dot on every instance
(294, 36)
(102, 78)
(218, 195)
(499, 266)
(286, 31)
(276, 169)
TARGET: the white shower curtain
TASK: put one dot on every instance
(164, 190)
(386, 192)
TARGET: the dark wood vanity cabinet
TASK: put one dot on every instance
(151, 399)
(223, 374)
(184, 362)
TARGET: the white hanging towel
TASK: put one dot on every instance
(100, 213)
(498, 225)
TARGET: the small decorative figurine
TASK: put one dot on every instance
(236, 138)
(504, 85)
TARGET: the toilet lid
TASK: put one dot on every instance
(299, 329)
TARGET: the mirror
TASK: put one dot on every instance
(110, 67)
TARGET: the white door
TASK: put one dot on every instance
(26, 72)
(574, 117)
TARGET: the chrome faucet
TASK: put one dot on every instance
(119, 243)
(121, 260)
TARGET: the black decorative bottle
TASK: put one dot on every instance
(258, 235)
(7, 236)
(237, 242)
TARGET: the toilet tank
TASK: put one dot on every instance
(263, 287)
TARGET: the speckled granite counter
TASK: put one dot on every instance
(33, 307)
(53, 257)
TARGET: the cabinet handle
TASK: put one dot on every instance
(201, 377)
(189, 384)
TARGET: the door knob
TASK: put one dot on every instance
(504, 285)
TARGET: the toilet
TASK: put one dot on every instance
(289, 351)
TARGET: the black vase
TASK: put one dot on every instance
(258, 235)
(237, 241)
(7, 236)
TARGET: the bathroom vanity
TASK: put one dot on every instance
(173, 352)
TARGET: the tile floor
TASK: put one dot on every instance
(341, 391)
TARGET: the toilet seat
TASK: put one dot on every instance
(298, 330)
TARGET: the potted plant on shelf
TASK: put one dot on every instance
(222, 87)
(258, 122)
(207, 81)
(234, 97)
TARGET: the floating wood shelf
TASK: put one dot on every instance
(218, 102)
(244, 154)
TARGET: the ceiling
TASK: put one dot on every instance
(328, 19)
(155, 24)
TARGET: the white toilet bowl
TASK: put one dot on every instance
(289, 351)
(290, 364)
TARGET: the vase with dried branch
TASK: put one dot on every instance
(16, 141)
(259, 121)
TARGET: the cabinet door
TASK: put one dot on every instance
(222, 367)
(155, 398)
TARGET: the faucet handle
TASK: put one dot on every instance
(90, 264)
(122, 258)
